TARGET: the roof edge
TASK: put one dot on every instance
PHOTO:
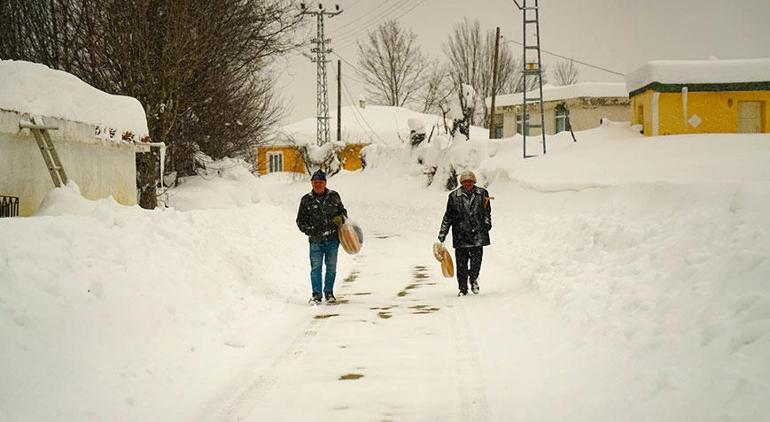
(703, 87)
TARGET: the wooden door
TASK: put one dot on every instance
(749, 117)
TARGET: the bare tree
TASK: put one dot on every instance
(198, 68)
(470, 54)
(437, 89)
(566, 72)
(391, 64)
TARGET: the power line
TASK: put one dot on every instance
(341, 29)
(570, 58)
(350, 41)
(355, 110)
(351, 37)
(351, 29)
(352, 106)
(349, 64)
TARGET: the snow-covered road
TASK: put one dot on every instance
(627, 284)
(398, 346)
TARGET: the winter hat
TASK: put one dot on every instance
(318, 175)
(467, 175)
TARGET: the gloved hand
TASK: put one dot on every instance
(441, 238)
(338, 220)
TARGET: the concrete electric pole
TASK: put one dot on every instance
(321, 49)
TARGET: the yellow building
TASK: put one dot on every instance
(701, 96)
(288, 158)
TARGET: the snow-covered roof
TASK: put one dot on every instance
(699, 71)
(556, 93)
(370, 125)
(35, 89)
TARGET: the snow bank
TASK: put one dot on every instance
(699, 71)
(35, 89)
(106, 311)
(222, 184)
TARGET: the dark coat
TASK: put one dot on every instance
(470, 217)
(316, 213)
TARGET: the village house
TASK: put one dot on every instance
(95, 138)
(701, 96)
(583, 105)
(362, 126)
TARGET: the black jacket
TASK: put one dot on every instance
(470, 217)
(315, 215)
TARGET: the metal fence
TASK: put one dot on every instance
(9, 206)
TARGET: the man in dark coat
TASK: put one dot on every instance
(469, 214)
(320, 213)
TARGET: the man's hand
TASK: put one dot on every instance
(338, 220)
(441, 238)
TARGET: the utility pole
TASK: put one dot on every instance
(321, 50)
(339, 100)
(533, 69)
(494, 85)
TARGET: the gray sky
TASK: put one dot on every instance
(620, 35)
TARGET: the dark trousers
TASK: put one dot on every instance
(468, 265)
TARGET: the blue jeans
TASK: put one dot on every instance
(323, 252)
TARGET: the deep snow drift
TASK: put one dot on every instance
(627, 280)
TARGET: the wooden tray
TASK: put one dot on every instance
(351, 238)
(445, 258)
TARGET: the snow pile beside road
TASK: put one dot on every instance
(661, 288)
(105, 309)
(222, 184)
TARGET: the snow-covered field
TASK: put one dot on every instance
(628, 279)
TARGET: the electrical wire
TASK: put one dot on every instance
(356, 110)
(351, 39)
(570, 58)
(353, 28)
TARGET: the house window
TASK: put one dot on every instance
(561, 118)
(520, 124)
(498, 131)
(274, 162)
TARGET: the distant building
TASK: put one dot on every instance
(584, 103)
(701, 96)
(287, 157)
(362, 125)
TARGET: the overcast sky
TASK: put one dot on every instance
(619, 35)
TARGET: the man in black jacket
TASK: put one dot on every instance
(320, 213)
(469, 214)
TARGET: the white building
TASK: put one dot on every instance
(585, 103)
(97, 135)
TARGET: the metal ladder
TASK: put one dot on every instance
(47, 148)
(533, 69)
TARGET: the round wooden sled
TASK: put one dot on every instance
(445, 258)
(351, 238)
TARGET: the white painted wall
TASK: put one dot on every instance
(101, 168)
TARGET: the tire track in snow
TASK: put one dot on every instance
(470, 384)
(250, 388)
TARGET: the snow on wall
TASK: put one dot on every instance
(699, 71)
(555, 93)
(35, 89)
